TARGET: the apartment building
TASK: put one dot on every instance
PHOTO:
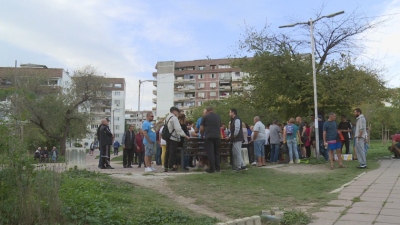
(135, 118)
(111, 106)
(191, 83)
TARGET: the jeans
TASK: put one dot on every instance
(115, 151)
(274, 153)
(366, 149)
(292, 145)
(158, 155)
(170, 153)
(212, 147)
(259, 148)
(322, 150)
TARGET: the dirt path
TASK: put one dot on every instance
(158, 183)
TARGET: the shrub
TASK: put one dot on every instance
(77, 145)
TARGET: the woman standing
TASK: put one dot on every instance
(182, 122)
(163, 144)
(290, 134)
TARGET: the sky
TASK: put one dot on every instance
(125, 38)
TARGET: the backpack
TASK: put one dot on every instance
(166, 135)
(289, 129)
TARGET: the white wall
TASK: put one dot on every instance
(165, 87)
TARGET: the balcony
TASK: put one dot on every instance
(237, 88)
(184, 81)
(224, 87)
(182, 89)
(226, 78)
(155, 83)
(155, 100)
(223, 96)
(154, 108)
(155, 92)
(155, 74)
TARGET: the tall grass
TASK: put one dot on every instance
(28, 195)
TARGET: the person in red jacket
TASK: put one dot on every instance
(140, 150)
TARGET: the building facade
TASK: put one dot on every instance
(135, 118)
(111, 106)
(191, 83)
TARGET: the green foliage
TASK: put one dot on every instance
(77, 144)
(282, 82)
(295, 218)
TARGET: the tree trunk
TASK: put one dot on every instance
(63, 142)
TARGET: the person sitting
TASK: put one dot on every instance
(54, 154)
(395, 148)
(37, 154)
(44, 154)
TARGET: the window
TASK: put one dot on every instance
(117, 110)
(117, 127)
(201, 85)
(213, 75)
(107, 110)
(118, 85)
(224, 66)
(237, 74)
(117, 135)
(201, 76)
(199, 103)
(213, 85)
(117, 93)
(201, 95)
(213, 94)
(107, 85)
(116, 118)
(94, 126)
(202, 67)
(213, 67)
(117, 102)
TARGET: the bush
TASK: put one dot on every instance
(77, 145)
(162, 216)
(295, 218)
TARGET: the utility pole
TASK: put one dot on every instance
(140, 82)
(15, 98)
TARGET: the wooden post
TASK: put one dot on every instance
(382, 135)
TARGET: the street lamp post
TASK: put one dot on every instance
(314, 72)
(140, 82)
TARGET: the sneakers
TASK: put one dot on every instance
(152, 168)
(254, 164)
(244, 168)
(148, 169)
(208, 171)
(238, 169)
(362, 166)
(129, 167)
(291, 162)
(297, 161)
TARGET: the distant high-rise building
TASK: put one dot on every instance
(191, 83)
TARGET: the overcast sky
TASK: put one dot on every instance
(127, 38)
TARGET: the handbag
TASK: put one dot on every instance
(284, 149)
(340, 137)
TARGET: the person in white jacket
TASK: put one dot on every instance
(176, 131)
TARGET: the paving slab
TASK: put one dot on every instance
(368, 204)
(340, 202)
(358, 217)
(322, 222)
(375, 195)
(391, 205)
(334, 209)
(394, 200)
(364, 210)
(373, 199)
(388, 219)
(383, 223)
(390, 212)
(342, 222)
(327, 215)
(386, 191)
(391, 196)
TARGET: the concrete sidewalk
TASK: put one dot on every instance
(379, 192)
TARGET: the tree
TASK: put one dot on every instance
(54, 110)
(281, 77)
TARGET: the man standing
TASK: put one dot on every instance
(210, 130)
(302, 131)
(175, 129)
(274, 131)
(198, 124)
(129, 146)
(360, 138)
(158, 152)
(237, 139)
(330, 135)
(258, 137)
(106, 140)
(345, 128)
(116, 147)
(149, 140)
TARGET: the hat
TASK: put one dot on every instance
(320, 117)
(173, 108)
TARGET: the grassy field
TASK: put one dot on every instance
(248, 192)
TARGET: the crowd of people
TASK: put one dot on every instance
(263, 142)
(43, 155)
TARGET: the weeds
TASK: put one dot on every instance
(295, 218)
(356, 199)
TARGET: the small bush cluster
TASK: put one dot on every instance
(295, 218)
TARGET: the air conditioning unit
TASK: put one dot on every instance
(212, 87)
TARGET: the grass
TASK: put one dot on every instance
(356, 199)
(247, 193)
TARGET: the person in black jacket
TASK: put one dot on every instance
(129, 145)
(106, 140)
(44, 154)
(237, 138)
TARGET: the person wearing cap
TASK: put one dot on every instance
(106, 140)
(176, 131)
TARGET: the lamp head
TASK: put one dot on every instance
(334, 14)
